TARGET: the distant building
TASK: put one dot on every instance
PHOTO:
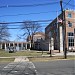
(38, 36)
(56, 30)
(36, 39)
(6, 45)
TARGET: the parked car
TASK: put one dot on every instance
(71, 49)
(11, 49)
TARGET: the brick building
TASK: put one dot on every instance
(36, 38)
(58, 32)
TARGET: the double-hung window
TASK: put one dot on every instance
(70, 39)
(69, 24)
(69, 15)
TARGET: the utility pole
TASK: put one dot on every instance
(32, 41)
(64, 31)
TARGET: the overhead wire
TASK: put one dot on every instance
(21, 28)
(21, 24)
(14, 26)
(67, 3)
(24, 22)
(29, 13)
(31, 5)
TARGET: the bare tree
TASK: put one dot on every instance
(4, 34)
(30, 28)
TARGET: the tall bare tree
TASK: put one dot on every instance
(4, 34)
(30, 28)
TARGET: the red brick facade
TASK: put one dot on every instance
(52, 30)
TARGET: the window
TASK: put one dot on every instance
(70, 34)
(69, 24)
(69, 15)
(71, 39)
(50, 34)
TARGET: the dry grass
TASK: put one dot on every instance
(3, 60)
(42, 59)
(21, 53)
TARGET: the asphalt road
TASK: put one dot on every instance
(2, 65)
(61, 67)
(18, 68)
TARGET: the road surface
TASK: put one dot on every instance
(61, 67)
(58, 67)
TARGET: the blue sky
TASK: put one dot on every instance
(47, 12)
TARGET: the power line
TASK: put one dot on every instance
(67, 3)
(21, 24)
(29, 13)
(24, 22)
(39, 22)
(28, 27)
(32, 5)
(21, 28)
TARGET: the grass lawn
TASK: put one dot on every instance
(33, 56)
(21, 53)
(42, 59)
(3, 60)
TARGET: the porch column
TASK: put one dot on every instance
(17, 46)
(1, 46)
(52, 44)
(13, 44)
(5, 46)
(61, 38)
(30, 45)
(26, 46)
(49, 47)
(9, 44)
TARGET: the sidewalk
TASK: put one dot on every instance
(61, 54)
(21, 59)
(20, 66)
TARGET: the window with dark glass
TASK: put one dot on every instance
(71, 39)
(69, 15)
(70, 34)
(69, 24)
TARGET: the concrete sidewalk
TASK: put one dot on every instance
(21, 59)
(61, 54)
(21, 66)
(24, 58)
